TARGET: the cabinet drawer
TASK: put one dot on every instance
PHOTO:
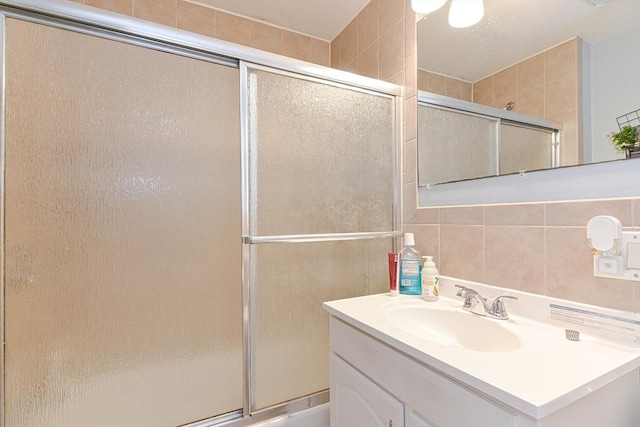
(444, 402)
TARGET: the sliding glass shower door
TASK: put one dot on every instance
(122, 249)
(321, 168)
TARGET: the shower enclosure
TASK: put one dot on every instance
(175, 209)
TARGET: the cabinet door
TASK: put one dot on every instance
(416, 420)
(356, 401)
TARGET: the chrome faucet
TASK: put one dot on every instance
(475, 303)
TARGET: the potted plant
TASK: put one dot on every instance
(626, 140)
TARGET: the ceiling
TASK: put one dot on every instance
(323, 19)
(510, 31)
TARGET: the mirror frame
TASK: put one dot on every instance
(615, 179)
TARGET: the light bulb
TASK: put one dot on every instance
(426, 6)
(465, 13)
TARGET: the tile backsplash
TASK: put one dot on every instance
(540, 248)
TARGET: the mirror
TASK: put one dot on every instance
(573, 62)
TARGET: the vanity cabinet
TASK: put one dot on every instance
(375, 384)
(357, 401)
(362, 366)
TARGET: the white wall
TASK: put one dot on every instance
(615, 88)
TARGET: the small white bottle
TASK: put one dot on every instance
(430, 279)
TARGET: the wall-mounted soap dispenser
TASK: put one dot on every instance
(616, 253)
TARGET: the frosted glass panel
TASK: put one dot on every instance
(292, 336)
(454, 146)
(122, 234)
(524, 148)
(316, 148)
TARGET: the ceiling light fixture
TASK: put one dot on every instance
(462, 13)
(465, 13)
(426, 6)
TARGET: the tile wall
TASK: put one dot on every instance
(545, 85)
(381, 43)
(445, 85)
(540, 248)
(214, 23)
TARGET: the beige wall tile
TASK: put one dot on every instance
(390, 12)
(524, 214)
(569, 134)
(483, 91)
(514, 258)
(458, 89)
(265, 37)
(570, 273)
(410, 164)
(531, 73)
(123, 7)
(579, 213)
(410, 32)
(472, 215)
(501, 103)
(368, 26)
(162, 12)
(197, 19)
(427, 240)
(368, 61)
(561, 61)
(336, 53)
(409, 201)
(320, 52)
(462, 252)
(411, 119)
(569, 154)
(233, 28)
(392, 51)
(505, 83)
(296, 45)
(421, 79)
(349, 43)
(425, 216)
(397, 79)
(430, 82)
(531, 102)
(410, 75)
(352, 66)
(560, 96)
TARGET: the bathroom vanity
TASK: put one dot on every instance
(402, 361)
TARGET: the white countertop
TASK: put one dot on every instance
(546, 373)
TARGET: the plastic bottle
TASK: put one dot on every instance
(410, 267)
(430, 279)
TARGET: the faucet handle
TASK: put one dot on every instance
(467, 294)
(464, 292)
(497, 308)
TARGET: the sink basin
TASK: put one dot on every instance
(452, 328)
